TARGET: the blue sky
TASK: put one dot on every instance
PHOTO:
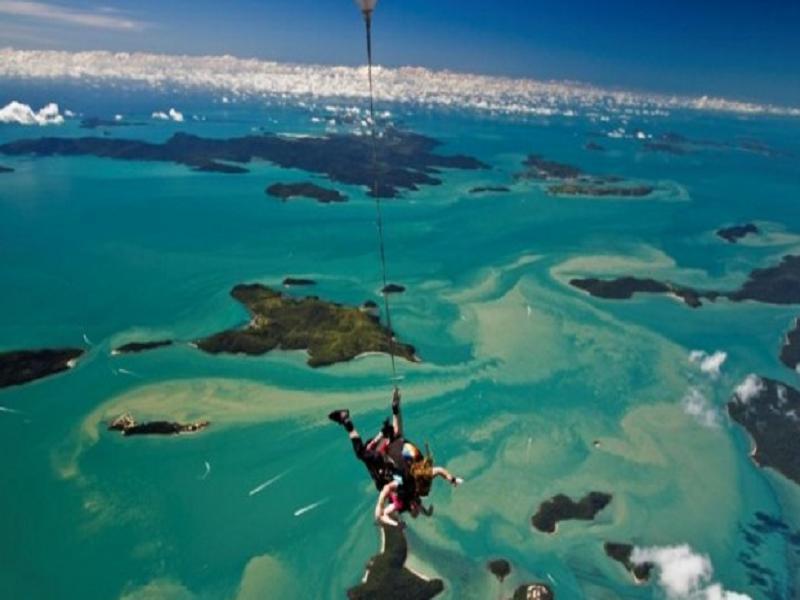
(744, 50)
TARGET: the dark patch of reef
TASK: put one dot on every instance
(387, 577)
(23, 366)
(287, 191)
(622, 554)
(736, 232)
(134, 347)
(393, 288)
(330, 332)
(128, 426)
(297, 281)
(777, 284)
(6, 169)
(678, 145)
(563, 508)
(405, 160)
(771, 415)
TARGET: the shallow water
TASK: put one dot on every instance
(521, 372)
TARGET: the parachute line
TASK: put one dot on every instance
(379, 212)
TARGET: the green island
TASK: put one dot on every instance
(22, 366)
(330, 332)
(387, 577)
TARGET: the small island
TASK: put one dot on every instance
(134, 347)
(490, 188)
(387, 577)
(594, 147)
(771, 415)
(393, 288)
(539, 168)
(778, 284)
(623, 288)
(599, 189)
(563, 508)
(6, 169)
(330, 332)
(287, 191)
(736, 232)
(128, 426)
(22, 366)
(500, 568)
(622, 554)
(297, 281)
(790, 351)
(533, 591)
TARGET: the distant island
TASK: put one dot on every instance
(736, 232)
(96, 122)
(287, 191)
(330, 332)
(594, 146)
(622, 554)
(777, 284)
(6, 169)
(387, 577)
(22, 366)
(569, 180)
(490, 188)
(406, 160)
(563, 508)
(790, 351)
(134, 347)
(771, 415)
(678, 144)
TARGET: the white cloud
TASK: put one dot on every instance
(22, 114)
(696, 405)
(751, 387)
(99, 19)
(171, 115)
(709, 363)
(242, 77)
(684, 574)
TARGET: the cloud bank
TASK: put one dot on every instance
(22, 114)
(751, 387)
(697, 406)
(684, 574)
(251, 77)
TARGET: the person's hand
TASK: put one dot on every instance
(396, 396)
(457, 481)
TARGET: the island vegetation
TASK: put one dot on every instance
(562, 508)
(330, 332)
(22, 366)
(622, 554)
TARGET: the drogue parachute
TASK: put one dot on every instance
(366, 6)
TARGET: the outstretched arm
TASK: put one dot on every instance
(382, 514)
(445, 474)
(397, 420)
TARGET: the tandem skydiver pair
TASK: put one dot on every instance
(400, 471)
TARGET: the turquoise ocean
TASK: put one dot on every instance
(521, 374)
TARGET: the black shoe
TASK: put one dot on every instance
(340, 416)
